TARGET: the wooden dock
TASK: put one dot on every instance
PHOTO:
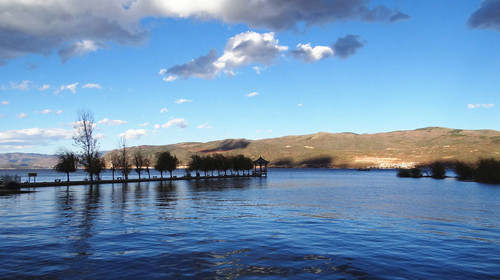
(58, 183)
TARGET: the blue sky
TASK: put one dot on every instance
(163, 72)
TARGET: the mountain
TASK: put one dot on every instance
(350, 150)
(26, 161)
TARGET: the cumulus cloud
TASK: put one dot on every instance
(133, 134)
(307, 53)
(5, 102)
(22, 116)
(143, 124)
(251, 94)
(347, 46)
(58, 112)
(91, 85)
(76, 27)
(24, 85)
(181, 123)
(111, 122)
(164, 110)
(202, 67)
(241, 50)
(70, 87)
(79, 48)
(44, 87)
(206, 125)
(46, 111)
(18, 139)
(480, 105)
(487, 16)
(182, 100)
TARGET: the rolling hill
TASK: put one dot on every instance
(349, 150)
(342, 150)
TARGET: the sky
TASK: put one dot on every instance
(163, 72)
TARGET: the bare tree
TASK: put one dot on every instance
(139, 162)
(115, 163)
(124, 160)
(87, 142)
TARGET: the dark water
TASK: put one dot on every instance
(301, 224)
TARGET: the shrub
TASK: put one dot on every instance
(438, 171)
(415, 172)
(463, 171)
(10, 182)
(488, 170)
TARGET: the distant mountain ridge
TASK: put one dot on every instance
(336, 150)
(27, 161)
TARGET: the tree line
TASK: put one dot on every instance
(90, 158)
(485, 170)
(220, 163)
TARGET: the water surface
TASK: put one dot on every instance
(307, 224)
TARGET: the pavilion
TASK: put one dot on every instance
(262, 164)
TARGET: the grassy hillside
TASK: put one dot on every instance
(382, 150)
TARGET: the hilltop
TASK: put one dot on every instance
(344, 150)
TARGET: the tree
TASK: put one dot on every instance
(438, 171)
(115, 163)
(86, 140)
(67, 162)
(463, 171)
(124, 160)
(166, 162)
(147, 163)
(139, 162)
(195, 163)
(488, 170)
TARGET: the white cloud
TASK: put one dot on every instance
(182, 100)
(157, 126)
(5, 102)
(22, 116)
(44, 87)
(80, 27)
(111, 122)
(162, 72)
(22, 138)
(300, 104)
(133, 134)
(143, 124)
(480, 105)
(248, 48)
(251, 94)
(46, 111)
(24, 85)
(91, 85)
(243, 49)
(79, 48)
(164, 110)
(205, 125)
(58, 112)
(307, 53)
(258, 69)
(181, 123)
(70, 87)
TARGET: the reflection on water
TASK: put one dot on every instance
(308, 224)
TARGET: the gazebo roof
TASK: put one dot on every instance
(260, 160)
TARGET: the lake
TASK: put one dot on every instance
(299, 224)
